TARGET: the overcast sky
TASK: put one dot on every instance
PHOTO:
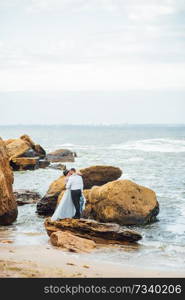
(130, 53)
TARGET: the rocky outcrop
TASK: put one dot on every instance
(101, 233)
(71, 242)
(24, 154)
(47, 204)
(95, 175)
(8, 206)
(61, 155)
(26, 197)
(99, 175)
(123, 202)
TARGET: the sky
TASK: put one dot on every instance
(95, 61)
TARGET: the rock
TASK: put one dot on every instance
(24, 154)
(58, 166)
(90, 229)
(43, 163)
(16, 148)
(61, 155)
(24, 163)
(46, 206)
(71, 242)
(40, 151)
(99, 175)
(26, 197)
(8, 205)
(123, 202)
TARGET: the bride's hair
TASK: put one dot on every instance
(65, 172)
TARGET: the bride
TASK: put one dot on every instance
(66, 208)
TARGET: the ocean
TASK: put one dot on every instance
(150, 155)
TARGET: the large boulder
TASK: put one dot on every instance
(46, 206)
(8, 206)
(61, 155)
(95, 175)
(24, 154)
(99, 175)
(123, 202)
(101, 233)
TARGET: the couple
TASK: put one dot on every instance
(71, 204)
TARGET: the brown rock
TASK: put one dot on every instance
(123, 202)
(90, 229)
(8, 206)
(46, 206)
(71, 242)
(24, 163)
(24, 154)
(61, 155)
(99, 175)
(16, 148)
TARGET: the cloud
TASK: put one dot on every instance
(69, 44)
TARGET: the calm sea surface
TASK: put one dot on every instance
(153, 156)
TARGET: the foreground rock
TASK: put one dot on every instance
(89, 229)
(71, 242)
(24, 154)
(123, 202)
(61, 155)
(8, 206)
(26, 197)
(95, 175)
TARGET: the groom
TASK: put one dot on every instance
(75, 184)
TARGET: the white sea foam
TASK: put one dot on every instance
(153, 145)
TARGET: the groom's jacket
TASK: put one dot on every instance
(75, 182)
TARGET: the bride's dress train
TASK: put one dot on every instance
(66, 208)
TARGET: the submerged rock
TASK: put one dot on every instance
(8, 206)
(93, 230)
(26, 197)
(71, 242)
(61, 155)
(123, 202)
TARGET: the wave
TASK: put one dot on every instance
(153, 145)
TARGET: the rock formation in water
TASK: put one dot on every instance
(24, 154)
(61, 155)
(8, 206)
(123, 202)
(95, 175)
(99, 175)
(100, 233)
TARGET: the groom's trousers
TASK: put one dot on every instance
(76, 194)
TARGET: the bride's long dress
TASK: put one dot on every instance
(66, 208)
